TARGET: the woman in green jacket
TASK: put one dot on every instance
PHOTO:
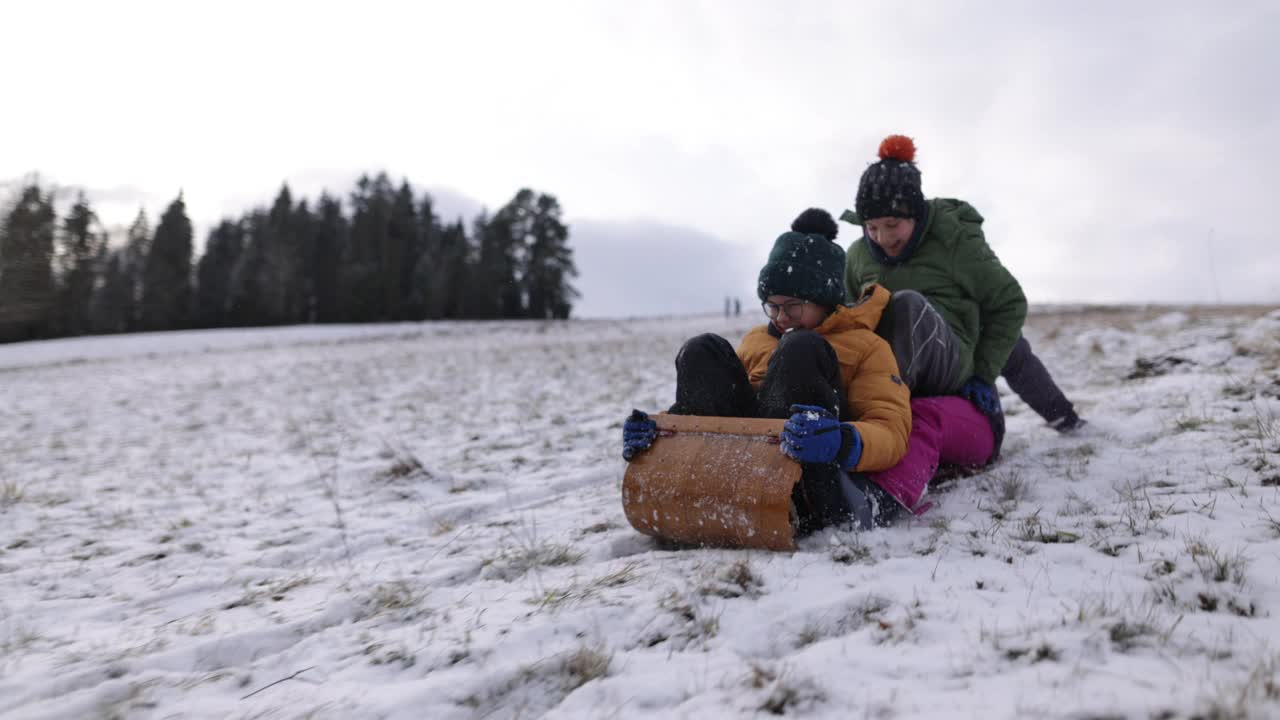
(933, 255)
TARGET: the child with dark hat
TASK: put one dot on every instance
(816, 363)
(955, 320)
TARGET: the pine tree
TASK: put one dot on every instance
(81, 245)
(478, 300)
(329, 240)
(302, 304)
(113, 304)
(246, 298)
(279, 244)
(526, 260)
(26, 266)
(166, 275)
(370, 279)
(425, 284)
(548, 263)
(495, 292)
(448, 273)
(515, 223)
(403, 250)
(222, 250)
(132, 264)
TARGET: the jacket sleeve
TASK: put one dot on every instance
(881, 404)
(850, 277)
(1002, 307)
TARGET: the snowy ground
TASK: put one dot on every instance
(423, 521)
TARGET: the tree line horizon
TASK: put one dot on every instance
(380, 255)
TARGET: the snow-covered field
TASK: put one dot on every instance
(424, 521)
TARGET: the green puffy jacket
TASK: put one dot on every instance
(963, 279)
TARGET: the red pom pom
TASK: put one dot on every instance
(898, 147)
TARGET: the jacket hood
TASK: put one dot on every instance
(862, 315)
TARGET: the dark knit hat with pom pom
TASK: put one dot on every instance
(808, 265)
(891, 187)
(816, 221)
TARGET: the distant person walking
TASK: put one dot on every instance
(934, 257)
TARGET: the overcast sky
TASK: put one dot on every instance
(1119, 151)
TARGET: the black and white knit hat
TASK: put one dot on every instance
(891, 187)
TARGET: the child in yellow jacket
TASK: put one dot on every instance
(817, 363)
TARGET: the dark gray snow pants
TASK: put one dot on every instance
(928, 356)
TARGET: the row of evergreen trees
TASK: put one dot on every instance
(384, 255)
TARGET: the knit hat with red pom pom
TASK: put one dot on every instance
(891, 187)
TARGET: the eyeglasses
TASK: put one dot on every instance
(793, 309)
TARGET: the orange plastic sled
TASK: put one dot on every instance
(713, 481)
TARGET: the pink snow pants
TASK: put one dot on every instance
(943, 430)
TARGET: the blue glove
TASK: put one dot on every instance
(983, 395)
(638, 433)
(814, 435)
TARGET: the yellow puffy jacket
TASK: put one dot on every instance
(876, 399)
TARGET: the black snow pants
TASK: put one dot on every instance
(803, 370)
